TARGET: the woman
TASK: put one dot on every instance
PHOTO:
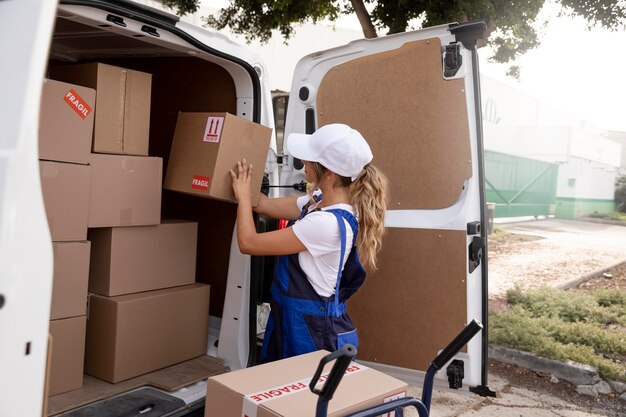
(318, 253)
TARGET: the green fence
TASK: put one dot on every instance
(520, 186)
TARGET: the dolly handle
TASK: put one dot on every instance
(459, 341)
(342, 357)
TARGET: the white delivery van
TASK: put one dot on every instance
(414, 96)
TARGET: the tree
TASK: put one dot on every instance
(509, 23)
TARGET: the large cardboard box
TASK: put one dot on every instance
(125, 190)
(134, 334)
(207, 146)
(122, 118)
(71, 275)
(68, 348)
(66, 122)
(281, 388)
(65, 190)
(127, 260)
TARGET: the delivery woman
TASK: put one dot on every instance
(318, 267)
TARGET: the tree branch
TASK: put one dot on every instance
(364, 19)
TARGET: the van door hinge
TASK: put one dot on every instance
(452, 60)
(475, 251)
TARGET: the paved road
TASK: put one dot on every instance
(567, 251)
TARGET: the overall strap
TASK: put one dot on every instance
(339, 215)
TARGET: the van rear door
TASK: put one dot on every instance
(25, 248)
(415, 98)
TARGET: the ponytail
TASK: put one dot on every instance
(369, 197)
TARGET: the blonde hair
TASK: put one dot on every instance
(369, 193)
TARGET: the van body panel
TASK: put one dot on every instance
(421, 125)
(25, 246)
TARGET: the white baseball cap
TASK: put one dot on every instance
(337, 147)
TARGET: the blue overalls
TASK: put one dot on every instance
(301, 320)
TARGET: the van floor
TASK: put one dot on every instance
(167, 379)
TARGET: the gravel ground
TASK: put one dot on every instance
(561, 251)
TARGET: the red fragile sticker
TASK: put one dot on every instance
(77, 103)
(200, 183)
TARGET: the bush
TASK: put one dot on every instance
(620, 194)
(588, 328)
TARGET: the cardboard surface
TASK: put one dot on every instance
(68, 348)
(168, 379)
(134, 334)
(206, 146)
(125, 190)
(122, 118)
(127, 260)
(65, 190)
(71, 275)
(66, 122)
(281, 389)
(421, 286)
(417, 128)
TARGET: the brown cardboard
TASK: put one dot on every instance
(65, 190)
(125, 190)
(134, 334)
(122, 119)
(433, 301)
(127, 260)
(66, 122)
(281, 389)
(207, 146)
(71, 275)
(419, 136)
(68, 348)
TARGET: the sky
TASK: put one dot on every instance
(575, 69)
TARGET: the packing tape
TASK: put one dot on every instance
(251, 402)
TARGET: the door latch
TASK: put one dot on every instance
(452, 60)
(475, 252)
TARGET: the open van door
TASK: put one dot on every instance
(25, 248)
(415, 98)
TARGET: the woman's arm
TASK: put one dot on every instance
(278, 208)
(278, 242)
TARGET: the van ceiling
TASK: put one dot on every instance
(74, 42)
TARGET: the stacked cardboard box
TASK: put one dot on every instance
(66, 125)
(145, 310)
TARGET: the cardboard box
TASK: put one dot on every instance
(127, 260)
(66, 122)
(131, 335)
(65, 190)
(68, 349)
(125, 190)
(71, 275)
(207, 145)
(281, 388)
(122, 118)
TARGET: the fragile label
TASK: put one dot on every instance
(252, 401)
(200, 183)
(391, 398)
(213, 130)
(77, 103)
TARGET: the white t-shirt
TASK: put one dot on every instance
(319, 233)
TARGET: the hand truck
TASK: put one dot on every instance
(344, 356)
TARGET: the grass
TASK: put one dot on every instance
(499, 235)
(585, 327)
(610, 216)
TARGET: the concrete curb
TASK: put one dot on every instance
(576, 282)
(603, 221)
(573, 373)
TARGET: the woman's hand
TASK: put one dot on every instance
(241, 181)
